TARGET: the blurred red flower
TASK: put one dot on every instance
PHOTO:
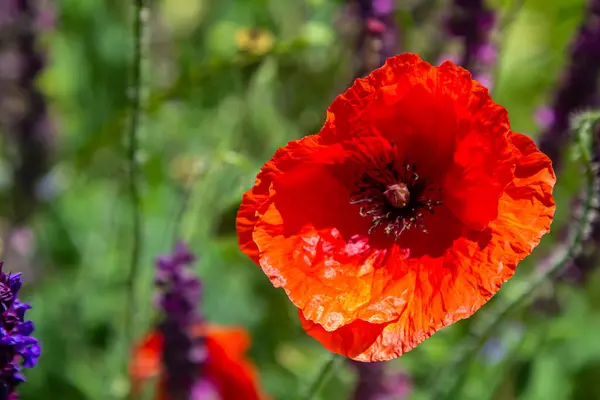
(226, 371)
(406, 213)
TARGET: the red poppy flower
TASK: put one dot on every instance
(406, 213)
(226, 371)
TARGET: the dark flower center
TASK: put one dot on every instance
(397, 194)
(395, 197)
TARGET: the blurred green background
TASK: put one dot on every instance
(218, 99)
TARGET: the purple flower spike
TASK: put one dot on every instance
(17, 347)
(544, 117)
(179, 294)
(577, 88)
(379, 36)
(375, 384)
(473, 22)
(23, 111)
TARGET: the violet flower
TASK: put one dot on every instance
(23, 111)
(379, 34)
(179, 294)
(473, 22)
(577, 88)
(17, 347)
(374, 383)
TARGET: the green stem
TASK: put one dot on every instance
(560, 257)
(132, 149)
(327, 371)
(505, 22)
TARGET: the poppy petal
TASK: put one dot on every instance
(252, 201)
(453, 287)
(348, 108)
(145, 362)
(233, 341)
(351, 340)
(233, 376)
(226, 368)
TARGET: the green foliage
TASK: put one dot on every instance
(213, 113)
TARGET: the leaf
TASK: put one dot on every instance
(548, 379)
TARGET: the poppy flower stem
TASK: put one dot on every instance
(448, 383)
(587, 259)
(133, 174)
(327, 371)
